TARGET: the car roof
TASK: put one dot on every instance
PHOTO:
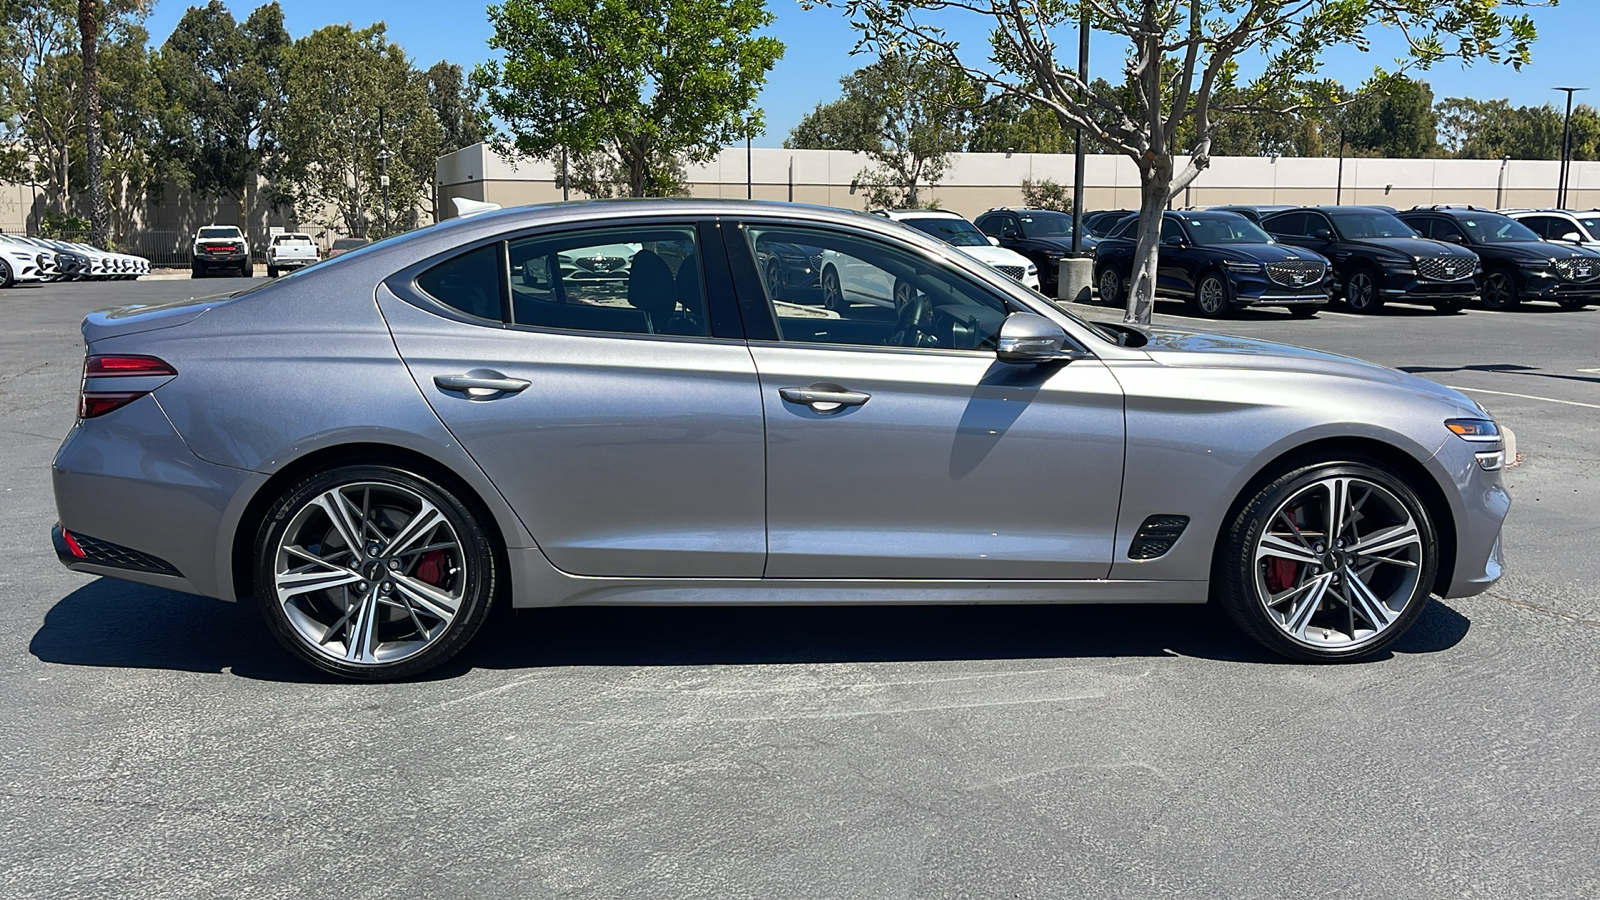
(897, 214)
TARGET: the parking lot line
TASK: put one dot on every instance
(1523, 396)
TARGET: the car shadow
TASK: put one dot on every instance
(108, 623)
(1500, 369)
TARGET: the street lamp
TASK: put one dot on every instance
(749, 172)
(383, 171)
(1566, 148)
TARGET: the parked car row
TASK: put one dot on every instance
(225, 248)
(1222, 259)
(29, 259)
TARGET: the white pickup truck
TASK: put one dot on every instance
(290, 251)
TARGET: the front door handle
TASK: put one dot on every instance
(481, 384)
(824, 397)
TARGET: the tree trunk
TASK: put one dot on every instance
(89, 33)
(1153, 196)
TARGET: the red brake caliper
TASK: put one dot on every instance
(430, 567)
(1281, 574)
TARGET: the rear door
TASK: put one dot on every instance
(595, 375)
(898, 446)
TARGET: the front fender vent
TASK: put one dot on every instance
(1157, 535)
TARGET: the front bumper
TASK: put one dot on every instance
(1399, 285)
(1540, 286)
(1480, 506)
(1256, 289)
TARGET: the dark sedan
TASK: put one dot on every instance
(1517, 264)
(1217, 262)
(792, 271)
(1042, 235)
(1379, 259)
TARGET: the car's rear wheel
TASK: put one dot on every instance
(832, 291)
(1361, 292)
(373, 572)
(1211, 296)
(6, 278)
(1329, 561)
(1573, 303)
(247, 269)
(1500, 290)
(1110, 284)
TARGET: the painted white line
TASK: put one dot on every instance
(1591, 371)
(1457, 387)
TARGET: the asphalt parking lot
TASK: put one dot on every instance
(159, 745)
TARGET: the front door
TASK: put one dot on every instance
(898, 446)
(593, 391)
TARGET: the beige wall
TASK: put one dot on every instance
(980, 181)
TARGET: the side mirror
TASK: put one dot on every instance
(1173, 241)
(1322, 234)
(1030, 337)
(994, 241)
(1454, 239)
(1572, 237)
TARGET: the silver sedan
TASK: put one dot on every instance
(379, 448)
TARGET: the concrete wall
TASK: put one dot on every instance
(980, 181)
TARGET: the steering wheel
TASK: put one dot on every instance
(908, 325)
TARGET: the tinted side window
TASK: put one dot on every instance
(1316, 222)
(989, 225)
(878, 295)
(637, 280)
(1440, 228)
(1546, 226)
(1128, 229)
(1289, 224)
(469, 283)
(1171, 230)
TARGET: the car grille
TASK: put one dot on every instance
(816, 262)
(1445, 268)
(1296, 273)
(1575, 269)
(1012, 272)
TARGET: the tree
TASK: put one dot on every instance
(1183, 55)
(88, 36)
(632, 88)
(1007, 125)
(1492, 129)
(458, 104)
(223, 85)
(1046, 194)
(1397, 121)
(339, 82)
(848, 123)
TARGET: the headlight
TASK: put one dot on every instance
(1241, 266)
(1402, 264)
(1535, 263)
(1481, 431)
(1033, 270)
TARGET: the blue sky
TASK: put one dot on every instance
(819, 41)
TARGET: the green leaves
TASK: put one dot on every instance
(632, 88)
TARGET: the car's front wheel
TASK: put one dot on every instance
(1328, 561)
(774, 278)
(6, 278)
(1573, 303)
(1211, 296)
(832, 291)
(372, 572)
(1500, 290)
(1361, 293)
(1305, 310)
(1449, 307)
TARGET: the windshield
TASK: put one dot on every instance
(1046, 224)
(1235, 229)
(1593, 224)
(1492, 229)
(349, 243)
(1372, 224)
(229, 232)
(958, 232)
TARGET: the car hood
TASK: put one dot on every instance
(1414, 246)
(996, 256)
(1267, 252)
(1065, 243)
(1180, 349)
(1542, 250)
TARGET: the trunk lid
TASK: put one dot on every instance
(135, 318)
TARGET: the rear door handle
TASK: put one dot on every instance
(481, 384)
(824, 397)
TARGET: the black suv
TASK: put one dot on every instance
(1379, 259)
(1217, 261)
(1042, 235)
(1517, 264)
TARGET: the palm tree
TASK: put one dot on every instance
(89, 33)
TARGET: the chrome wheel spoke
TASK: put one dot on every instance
(302, 580)
(1365, 603)
(1274, 546)
(421, 525)
(430, 599)
(338, 510)
(1313, 593)
(1338, 503)
(361, 635)
(1389, 540)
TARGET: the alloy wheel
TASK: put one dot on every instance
(1499, 292)
(775, 279)
(369, 573)
(1338, 562)
(5, 274)
(1211, 296)
(1110, 286)
(832, 294)
(1361, 293)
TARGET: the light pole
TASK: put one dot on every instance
(383, 171)
(1077, 164)
(749, 172)
(1566, 148)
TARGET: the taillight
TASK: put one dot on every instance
(100, 394)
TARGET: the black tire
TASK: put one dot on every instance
(196, 270)
(832, 289)
(1500, 290)
(1212, 297)
(1449, 307)
(1361, 293)
(774, 278)
(6, 278)
(1109, 283)
(1305, 310)
(1573, 304)
(272, 271)
(1239, 579)
(247, 269)
(472, 552)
